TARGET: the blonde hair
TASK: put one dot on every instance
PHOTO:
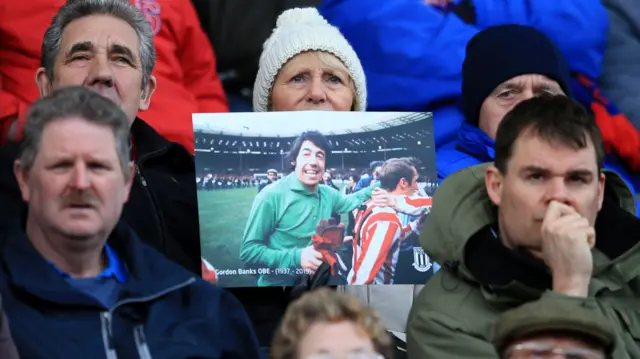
(329, 60)
(326, 305)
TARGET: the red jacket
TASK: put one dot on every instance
(185, 67)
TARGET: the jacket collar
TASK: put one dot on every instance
(148, 273)
(297, 186)
(473, 141)
(149, 142)
(114, 268)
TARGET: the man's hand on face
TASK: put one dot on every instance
(567, 239)
(310, 259)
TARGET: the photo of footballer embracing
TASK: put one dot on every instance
(284, 195)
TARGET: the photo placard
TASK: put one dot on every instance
(287, 194)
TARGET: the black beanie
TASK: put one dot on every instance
(502, 52)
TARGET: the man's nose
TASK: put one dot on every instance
(317, 91)
(527, 94)
(557, 191)
(100, 73)
(80, 177)
(313, 161)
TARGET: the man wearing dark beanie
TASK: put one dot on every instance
(505, 65)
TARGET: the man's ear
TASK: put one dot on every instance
(494, 181)
(43, 82)
(23, 178)
(147, 92)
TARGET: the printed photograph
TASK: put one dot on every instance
(284, 195)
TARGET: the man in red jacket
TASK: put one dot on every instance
(187, 81)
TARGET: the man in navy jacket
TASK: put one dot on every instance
(76, 281)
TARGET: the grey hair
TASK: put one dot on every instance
(74, 101)
(120, 9)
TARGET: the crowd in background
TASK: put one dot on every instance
(534, 225)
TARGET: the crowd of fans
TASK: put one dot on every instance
(534, 221)
(214, 181)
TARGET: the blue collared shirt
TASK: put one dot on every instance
(105, 287)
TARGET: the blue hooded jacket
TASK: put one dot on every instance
(412, 54)
(163, 311)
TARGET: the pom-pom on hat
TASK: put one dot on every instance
(298, 30)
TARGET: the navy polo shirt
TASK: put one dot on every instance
(105, 287)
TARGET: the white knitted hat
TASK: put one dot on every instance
(299, 30)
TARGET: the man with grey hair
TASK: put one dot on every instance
(81, 278)
(107, 46)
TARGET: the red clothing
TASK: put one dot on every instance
(185, 67)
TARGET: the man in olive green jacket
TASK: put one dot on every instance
(524, 229)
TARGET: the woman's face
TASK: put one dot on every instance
(313, 80)
(335, 340)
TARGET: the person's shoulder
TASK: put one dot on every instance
(152, 143)
(448, 296)
(10, 149)
(270, 191)
(328, 189)
(210, 298)
(12, 203)
(383, 212)
(10, 234)
(451, 160)
(8, 154)
(207, 290)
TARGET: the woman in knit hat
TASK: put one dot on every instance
(307, 64)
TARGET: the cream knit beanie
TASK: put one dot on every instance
(299, 30)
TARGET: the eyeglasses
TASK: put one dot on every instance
(541, 351)
(348, 356)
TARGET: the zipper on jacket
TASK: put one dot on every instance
(141, 342)
(138, 333)
(142, 179)
(107, 337)
(157, 211)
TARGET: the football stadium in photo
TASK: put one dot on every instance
(232, 163)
